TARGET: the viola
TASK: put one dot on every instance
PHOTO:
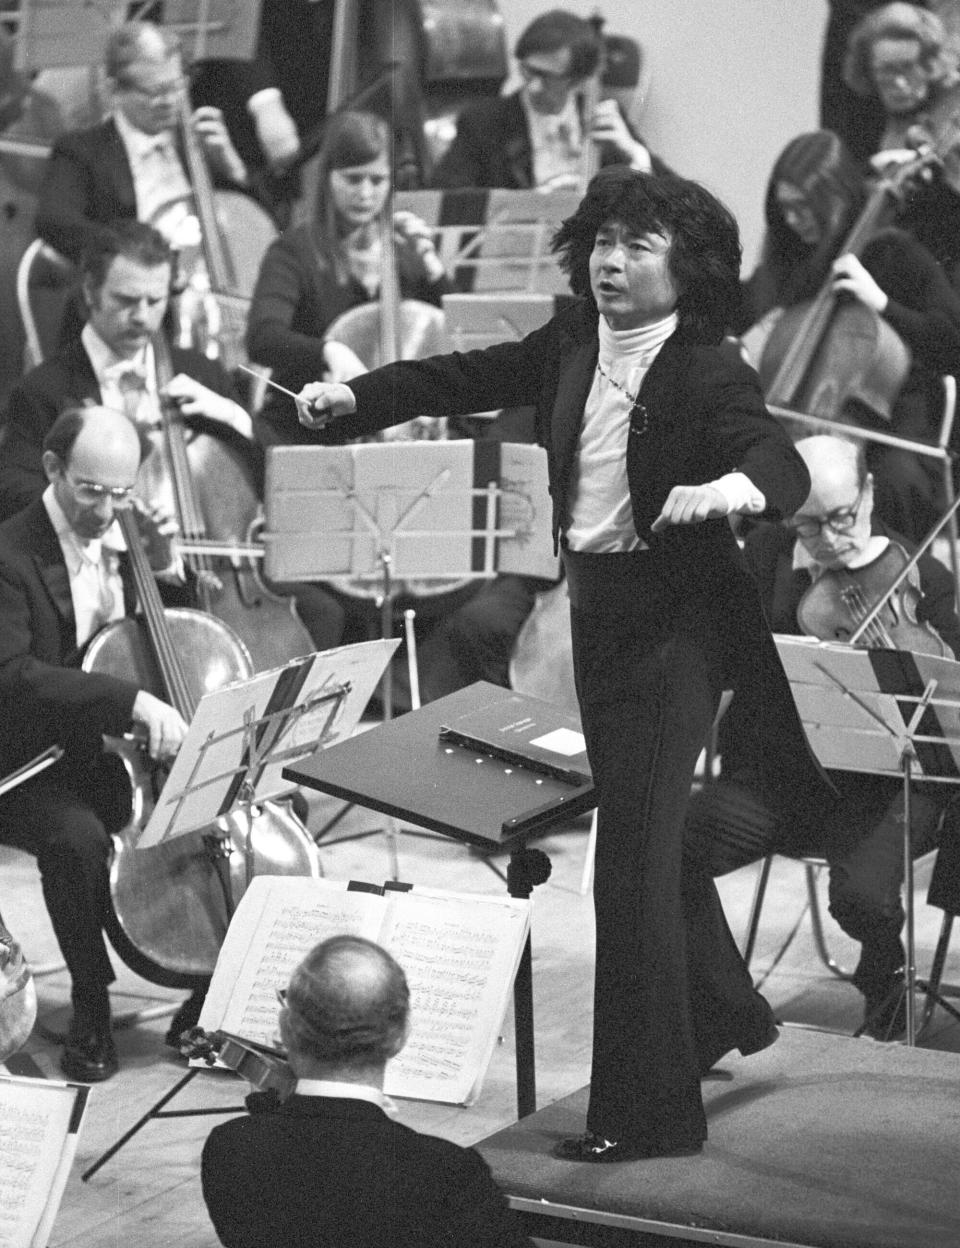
(838, 602)
(264, 1068)
(173, 902)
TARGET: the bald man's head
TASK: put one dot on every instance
(347, 1006)
(91, 457)
(835, 522)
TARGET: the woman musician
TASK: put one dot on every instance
(311, 279)
(815, 193)
(316, 272)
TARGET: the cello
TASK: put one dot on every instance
(825, 353)
(216, 286)
(209, 485)
(173, 902)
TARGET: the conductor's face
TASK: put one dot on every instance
(630, 276)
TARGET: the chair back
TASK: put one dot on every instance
(45, 282)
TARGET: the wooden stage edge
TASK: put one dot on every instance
(821, 1141)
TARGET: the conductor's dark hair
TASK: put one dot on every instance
(348, 1003)
(135, 240)
(63, 433)
(558, 29)
(704, 255)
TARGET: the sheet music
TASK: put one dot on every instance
(460, 953)
(39, 1123)
(460, 963)
(270, 933)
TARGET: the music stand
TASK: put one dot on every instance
(405, 769)
(378, 515)
(238, 743)
(889, 712)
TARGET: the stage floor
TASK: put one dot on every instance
(821, 1141)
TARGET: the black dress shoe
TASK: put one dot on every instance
(90, 1055)
(186, 1017)
(885, 1013)
(591, 1147)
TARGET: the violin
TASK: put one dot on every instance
(836, 605)
(264, 1068)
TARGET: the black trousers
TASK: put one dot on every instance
(861, 838)
(671, 990)
(62, 818)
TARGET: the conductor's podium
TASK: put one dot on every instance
(820, 1141)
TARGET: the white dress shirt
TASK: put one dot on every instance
(93, 568)
(349, 1092)
(141, 404)
(556, 142)
(163, 191)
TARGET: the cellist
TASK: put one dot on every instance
(814, 195)
(730, 823)
(130, 166)
(62, 576)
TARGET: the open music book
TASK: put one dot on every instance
(39, 1124)
(460, 953)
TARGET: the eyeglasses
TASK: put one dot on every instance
(841, 520)
(907, 71)
(91, 492)
(164, 91)
(529, 72)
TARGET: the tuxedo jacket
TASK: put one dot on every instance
(87, 184)
(492, 147)
(44, 695)
(701, 414)
(67, 380)
(323, 1171)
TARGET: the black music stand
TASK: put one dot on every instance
(405, 769)
(887, 712)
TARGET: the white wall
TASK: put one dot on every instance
(731, 81)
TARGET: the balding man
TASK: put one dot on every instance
(329, 1165)
(862, 838)
(62, 576)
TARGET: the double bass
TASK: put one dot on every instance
(173, 902)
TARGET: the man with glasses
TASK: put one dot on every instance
(535, 136)
(130, 165)
(63, 575)
(730, 824)
(328, 1164)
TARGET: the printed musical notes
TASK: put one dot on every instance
(459, 951)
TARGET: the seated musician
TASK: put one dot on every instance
(330, 1165)
(729, 823)
(534, 137)
(62, 576)
(126, 284)
(310, 278)
(814, 196)
(900, 57)
(114, 361)
(131, 166)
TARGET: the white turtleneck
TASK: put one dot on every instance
(601, 515)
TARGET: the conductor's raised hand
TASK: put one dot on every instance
(691, 504)
(319, 402)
